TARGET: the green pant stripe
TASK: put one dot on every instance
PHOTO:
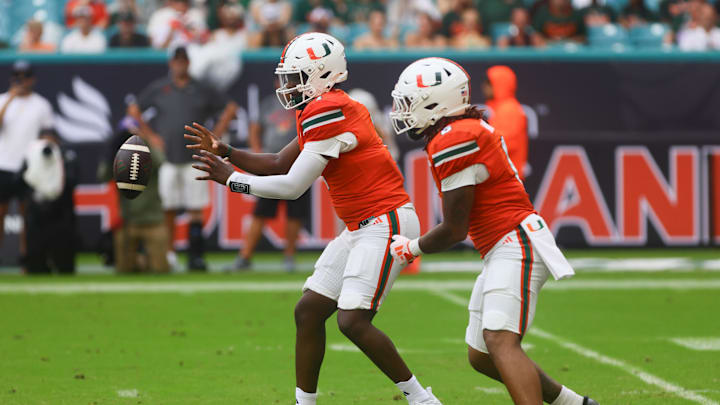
(387, 262)
(526, 271)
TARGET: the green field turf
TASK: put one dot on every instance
(236, 347)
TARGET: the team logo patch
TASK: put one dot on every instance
(540, 225)
(237, 187)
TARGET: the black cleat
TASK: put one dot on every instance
(589, 401)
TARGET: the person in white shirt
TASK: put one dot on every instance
(700, 33)
(85, 38)
(23, 114)
(177, 24)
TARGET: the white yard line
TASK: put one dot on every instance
(593, 265)
(711, 344)
(601, 358)
(112, 287)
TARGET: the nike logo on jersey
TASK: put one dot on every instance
(406, 393)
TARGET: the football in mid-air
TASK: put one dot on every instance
(132, 167)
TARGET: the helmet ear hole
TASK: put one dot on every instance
(325, 75)
(431, 106)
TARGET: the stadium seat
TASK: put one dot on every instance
(617, 5)
(498, 30)
(355, 30)
(608, 36)
(649, 36)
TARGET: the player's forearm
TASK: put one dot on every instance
(441, 238)
(261, 164)
(306, 169)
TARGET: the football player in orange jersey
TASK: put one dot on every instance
(336, 140)
(482, 196)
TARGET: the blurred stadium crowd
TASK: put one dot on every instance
(92, 26)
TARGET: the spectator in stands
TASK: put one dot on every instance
(375, 38)
(85, 38)
(597, 14)
(558, 21)
(470, 37)
(32, 40)
(143, 220)
(100, 17)
(270, 132)
(301, 9)
(402, 14)
(636, 13)
(177, 24)
(180, 100)
(426, 35)
(507, 114)
(320, 19)
(51, 175)
(701, 33)
(674, 12)
(272, 18)
(142, 9)
(360, 11)
(23, 115)
(232, 31)
(497, 11)
(520, 32)
(451, 21)
(127, 37)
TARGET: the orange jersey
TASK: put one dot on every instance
(365, 181)
(501, 202)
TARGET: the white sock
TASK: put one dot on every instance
(412, 390)
(568, 397)
(304, 398)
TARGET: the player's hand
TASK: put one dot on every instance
(400, 249)
(203, 139)
(217, 169)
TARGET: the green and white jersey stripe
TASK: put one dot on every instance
(324, 118)
(454, 152)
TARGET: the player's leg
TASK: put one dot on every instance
(319, 302)
(517, 371)
(357, 326)
(369, 276)
(196, 198)
(482, 363)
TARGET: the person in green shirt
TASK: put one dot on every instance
(143, 218)
(558, 21)
(497, 11)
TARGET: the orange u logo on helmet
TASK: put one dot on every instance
(312, 53)
(438, 80)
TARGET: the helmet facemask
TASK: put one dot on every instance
(294, 89)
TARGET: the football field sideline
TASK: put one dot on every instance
(113, 287)
(646, 377)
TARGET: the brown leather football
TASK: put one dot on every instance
(132, 167)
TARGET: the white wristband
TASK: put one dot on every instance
(238, 183)
(414, 247)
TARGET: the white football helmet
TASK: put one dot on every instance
(427, 90)
(309, 66)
